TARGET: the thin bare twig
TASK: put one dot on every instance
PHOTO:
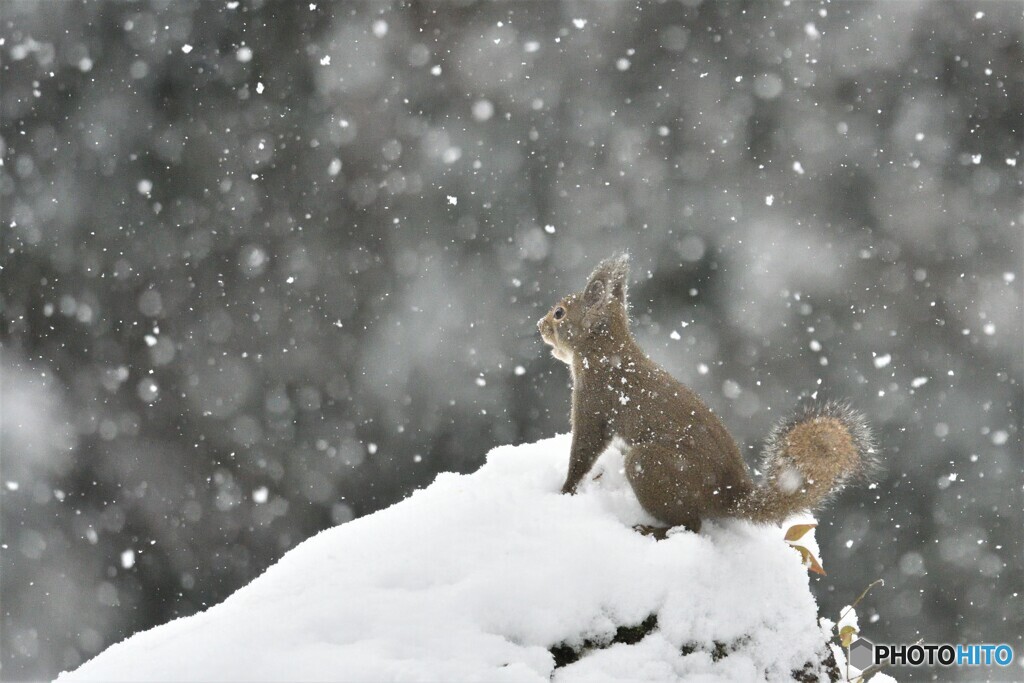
(843, 616)
(857, 601)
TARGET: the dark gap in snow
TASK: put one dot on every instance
(629, 635)
(811, 674)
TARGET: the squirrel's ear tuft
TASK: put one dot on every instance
(612, 273)
(594, 293)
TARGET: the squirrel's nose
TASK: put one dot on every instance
(540, 323)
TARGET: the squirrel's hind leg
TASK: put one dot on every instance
(667, 486)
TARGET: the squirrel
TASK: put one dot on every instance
(680, 460)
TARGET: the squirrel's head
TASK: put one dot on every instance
(598, 312)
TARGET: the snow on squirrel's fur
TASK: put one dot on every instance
(481, 576)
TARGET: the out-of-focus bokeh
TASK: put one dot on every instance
(268, 267)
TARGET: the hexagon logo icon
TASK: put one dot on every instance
(862, 653)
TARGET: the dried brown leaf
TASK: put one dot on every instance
(797, 531)
(810, 561)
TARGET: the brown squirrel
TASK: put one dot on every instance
(680, 460)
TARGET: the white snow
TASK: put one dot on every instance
(478, 576)
(483, 110)
(128, 559)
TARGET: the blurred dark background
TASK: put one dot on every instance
(270, 266)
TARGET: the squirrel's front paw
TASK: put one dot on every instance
(570, 489)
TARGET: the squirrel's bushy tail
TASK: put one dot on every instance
(807, 459)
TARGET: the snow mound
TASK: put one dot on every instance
(495, 576)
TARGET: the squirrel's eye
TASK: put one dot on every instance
(559, 313)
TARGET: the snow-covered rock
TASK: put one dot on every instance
(495, 576)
